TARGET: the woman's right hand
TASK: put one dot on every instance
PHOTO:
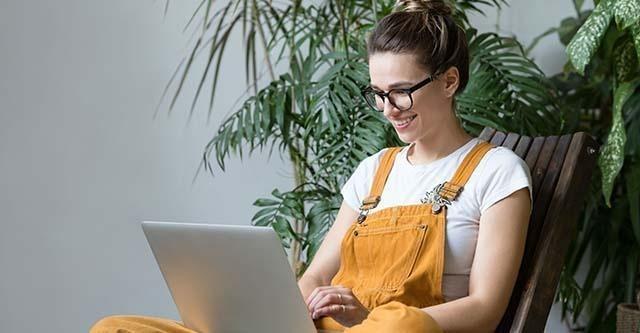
(337, 302)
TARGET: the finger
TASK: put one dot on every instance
(348, 296)
(331, 310)
(330, 299)
(319, 295)
(314, 293)
(313, 304)
(339, 295)
(343, 295)
(344, 290)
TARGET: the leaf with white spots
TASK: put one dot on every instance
(627, 12)
(635, 33)
(612, 153)
(625, 61)
(587, 40)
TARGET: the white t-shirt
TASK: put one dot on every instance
(500, 173)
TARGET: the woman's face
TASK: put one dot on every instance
(431, 103)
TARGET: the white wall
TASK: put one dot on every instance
(529, 19)
(83, 161)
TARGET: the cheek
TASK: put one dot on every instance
(423, 105)
(429, 112)
(431, 104)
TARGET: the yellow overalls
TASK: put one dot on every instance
(392, 259)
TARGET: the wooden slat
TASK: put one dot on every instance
(534, 151)
(548, 184)
(487, 134)
(559, 229)
(523, 146)
(540, 168)
(511, 140)
(498, 138)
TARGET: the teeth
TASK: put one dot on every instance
(403, 122)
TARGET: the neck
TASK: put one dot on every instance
(438, 144)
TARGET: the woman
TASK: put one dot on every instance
(430, 236)
(418, 61)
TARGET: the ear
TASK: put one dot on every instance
(451, 78)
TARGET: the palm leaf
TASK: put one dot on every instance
(506, 85)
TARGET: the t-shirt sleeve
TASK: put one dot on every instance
(358, 185)
(504, 173)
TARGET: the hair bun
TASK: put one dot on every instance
(432, 7)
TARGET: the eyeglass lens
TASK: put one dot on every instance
(398, 98)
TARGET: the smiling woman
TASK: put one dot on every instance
(430, 236)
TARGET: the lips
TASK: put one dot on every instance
(403, 123)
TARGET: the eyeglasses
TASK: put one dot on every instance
(400, 98)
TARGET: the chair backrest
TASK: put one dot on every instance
(561, 168)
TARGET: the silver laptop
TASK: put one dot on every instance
(228, 278)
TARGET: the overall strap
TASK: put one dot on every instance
(380, 179)
(451, 189)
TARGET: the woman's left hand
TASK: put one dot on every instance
(339, 303)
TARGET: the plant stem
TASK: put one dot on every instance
(256, 17)
(343, 29)
(298, 227)
(299, 179)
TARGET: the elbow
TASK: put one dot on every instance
(488, 323)
(493, 323)
(490, 315)
(317, 279)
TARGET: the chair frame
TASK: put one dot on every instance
(561, 169)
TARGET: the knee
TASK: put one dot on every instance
(111, 324)
(400, 318)
(102, 325)
(137, 324)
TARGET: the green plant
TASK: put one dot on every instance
(598, 91)
(312, 112)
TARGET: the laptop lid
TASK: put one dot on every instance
(228, 278)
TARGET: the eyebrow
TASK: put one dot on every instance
(394, 85)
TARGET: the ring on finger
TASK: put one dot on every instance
(340, 298)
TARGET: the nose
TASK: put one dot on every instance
(390, 109)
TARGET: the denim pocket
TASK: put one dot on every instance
(386, 255)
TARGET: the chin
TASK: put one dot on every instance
(406, 138)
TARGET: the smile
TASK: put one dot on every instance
(403, 123)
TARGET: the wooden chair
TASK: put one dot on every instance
(561, 170)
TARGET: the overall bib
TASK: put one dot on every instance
(392, 259)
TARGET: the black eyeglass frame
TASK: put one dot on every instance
(385, 95)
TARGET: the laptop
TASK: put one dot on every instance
(228, 278)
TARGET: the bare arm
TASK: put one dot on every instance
(326, 262)
(501, 239)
